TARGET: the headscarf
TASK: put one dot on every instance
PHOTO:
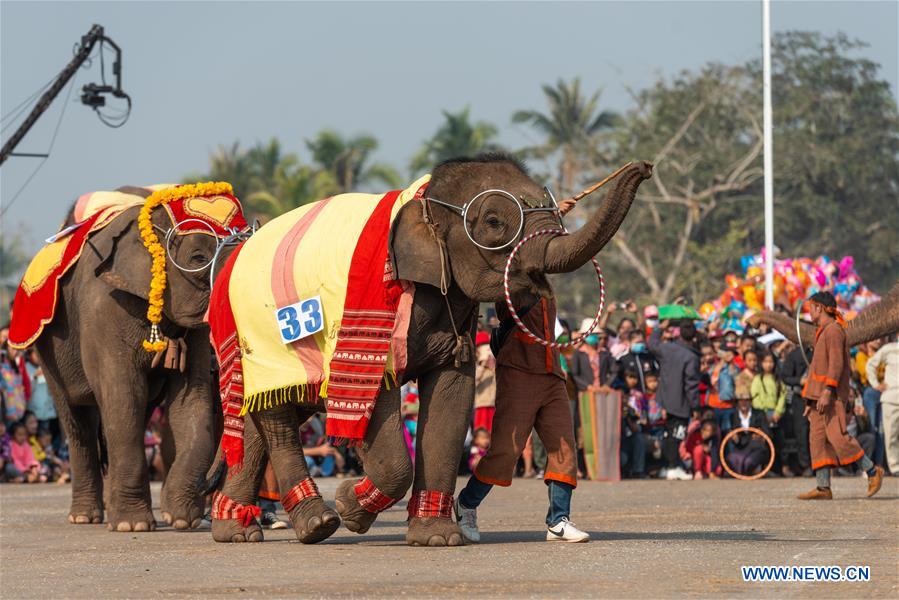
(828, 304)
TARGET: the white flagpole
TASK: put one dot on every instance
(768, 158)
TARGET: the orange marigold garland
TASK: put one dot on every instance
(156, 342)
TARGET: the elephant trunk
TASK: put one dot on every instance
(875, 321)
(568, 253)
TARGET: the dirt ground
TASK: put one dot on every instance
(650, 539)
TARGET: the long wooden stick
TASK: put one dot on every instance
(596, 186)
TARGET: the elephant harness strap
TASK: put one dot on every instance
(429, 504)
(174, 357)
(224, 508)
(301, 491)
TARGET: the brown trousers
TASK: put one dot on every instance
(829, 443)
(526, 401)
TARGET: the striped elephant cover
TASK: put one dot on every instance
(329, 262)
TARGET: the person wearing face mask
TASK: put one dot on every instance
(638, 359)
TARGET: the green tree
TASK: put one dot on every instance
(573, 128)
(13, 261)
(348, 160)
(456, 137)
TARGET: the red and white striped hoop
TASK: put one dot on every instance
(521, 326)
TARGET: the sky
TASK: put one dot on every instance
(204, 74)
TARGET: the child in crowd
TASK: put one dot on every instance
(30, 422)
(480, 443)
(409, 413)
(769, 395)
(55, 466)
(5, 456)
(655, 415)
(635, 398)
(723, 377)
(747, 451)
(702, 447)
(23, 467)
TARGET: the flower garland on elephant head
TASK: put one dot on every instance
(155, 341)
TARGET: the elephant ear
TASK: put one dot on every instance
(414, 249)
(124, 262)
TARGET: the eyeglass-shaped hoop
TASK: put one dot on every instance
(173, 232)
(463, 211)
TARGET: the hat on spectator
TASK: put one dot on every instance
(651, 311)
(585, 325)
(729, 346)
(481, 338)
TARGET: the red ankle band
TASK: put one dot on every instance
(371, 498)
(298, 493)
(224, 508)
(428, 503)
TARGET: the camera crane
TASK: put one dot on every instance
(91, 94)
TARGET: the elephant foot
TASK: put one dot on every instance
(356, 518)
(233, 531)
(433, 531)
(91, 516)
(313, 521)
(188, 519)
(139, 520)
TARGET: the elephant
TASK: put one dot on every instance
(430, 247)
(105, 384)
(873, 322)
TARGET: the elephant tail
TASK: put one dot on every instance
(213, 479)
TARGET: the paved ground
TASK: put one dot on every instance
(650, 539)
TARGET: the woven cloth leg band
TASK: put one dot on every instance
(224, 508)
(371, 498)
(428, 503)
(298, 493)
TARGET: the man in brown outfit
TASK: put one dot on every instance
(827, 393)
(530, 394)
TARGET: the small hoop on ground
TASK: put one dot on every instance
(517, 319)
(758, 432)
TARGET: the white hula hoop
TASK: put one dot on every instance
(517, 319)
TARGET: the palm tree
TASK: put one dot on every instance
(571, 126)
(458, 136)
(346, 160)
(292, 185)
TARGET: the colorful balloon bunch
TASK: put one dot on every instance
(794, 280)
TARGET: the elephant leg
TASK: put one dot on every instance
(190, 412)
(238, 495)
(123, 409)
(447, 397)
(82, 427)
(279, 427)
(388, 468)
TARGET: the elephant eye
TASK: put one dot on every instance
(493, 221)
(198, 258)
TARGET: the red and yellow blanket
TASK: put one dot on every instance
(323, 267)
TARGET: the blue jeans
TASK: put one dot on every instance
(326, 465)
(633, 448)
(723, 416)
(559, 497)
(871, 402)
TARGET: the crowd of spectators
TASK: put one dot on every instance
(684, 385)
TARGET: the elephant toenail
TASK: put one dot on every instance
(436, 540)
(123, 526)
(141, 526)
(180, 524)
(195, 523)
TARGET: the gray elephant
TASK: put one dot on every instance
(452, 242)
(104, 383)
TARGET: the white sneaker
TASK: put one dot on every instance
(678, 474)
(467, 519)
(271, 520)
(565, 531)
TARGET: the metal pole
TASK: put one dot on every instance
(87, 44)
(768, 155)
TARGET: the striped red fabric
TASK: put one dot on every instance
(430, 503)
(223, 332)
(371, 498)
(301, 491)
(224, 508)
(363, 342)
